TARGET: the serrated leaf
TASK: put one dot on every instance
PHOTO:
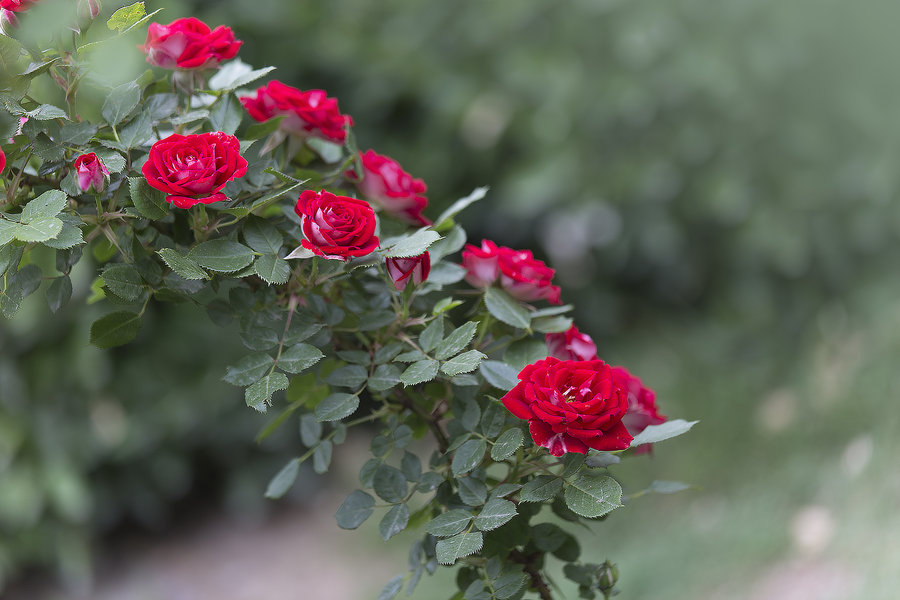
(392, 588)
(452, 242)
(551, 324)
(413, 245)
(40, 229)
(499, 374)
(432, 335)
(299, 357)
(336, 407)
(182, 265)
(509, 584)
(259, 395)
(149, 201)
(411, 467)
(7, 230)
(505, 489)
(59, 293)
(468, 456)
(420, 372)
(505, 308)
(221, 255)
(47, 112)
(351, 376)
(189, 117)
(139, 130)
(508, 442)
(272, 269)
(262, 236)
(456, 341)
(495, 513)
(462, 204)
(322, 456)
(261, 130)
(248, 369)
(48, 204)
(124, 281)
(464, 363)
(602, 459)
(283, 480)
(69, 237)
(226, 114)
(449, 550)
(591, 495)
(114, 161)
(358, 507)
(384, 378)
(120, 101)
(236, 74)
(389, 483)
(115, 329)
(126, 16)
(472, 491)
(664, 431)
(394, 521)
(540, 489)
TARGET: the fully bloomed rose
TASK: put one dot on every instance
(571, 345)
(404, 270)
(336, 227)
(189, 44)
(309, 113)
(192, 169)
(16, 5)
(571, 405)
(642, 409)
(386, 183)
(91, 173)
(520, 274)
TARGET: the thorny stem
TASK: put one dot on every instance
(537, 581)
(440, 436)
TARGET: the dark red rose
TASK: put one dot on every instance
(189, 44)
(336, 227)
(193, 168)
(91, 173)
(521, 275)
(385, 183)
(571, 345)
(642, 409)
(571, 405)
(309, 113)
(16, 5)
(404, 270)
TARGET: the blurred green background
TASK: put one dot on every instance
(716, 184)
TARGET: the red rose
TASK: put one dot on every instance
(193, 168)
(571, 405)
(393, 189)
(91, 173)
(404, 270)
(309, 113)
(2, 160)
(189, 44)
(571, 345)
(16, 5)
(521, 275)
(336, 227)
(642, 409)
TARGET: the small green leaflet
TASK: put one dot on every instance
(126, 16)
(115, 329)
(499, 374)
(420, 372)
(394, 521)
(249, 369)
(460, 545)
(259, 395)
(449, 523)
(414, 244)
(591, 495)
(468, 456)
(456, 341)
(283, 480)
(540, 489)
(494, 514)
(336, 407)
(299, 357)
(657, 433)
(464, 363)
(124, 281)
(272, 269)
(181, 264)
(507, 444)
(505, 308)
(221, 255)
(355, 510)
(393, 587)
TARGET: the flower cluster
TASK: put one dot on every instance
(306, 114)
(520, 274)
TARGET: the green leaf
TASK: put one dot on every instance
(126, 16)
(226, 114)
(495, 513)
(115, 329)
(236, 74)
(548, 537)
(413, 245)
(505, 308)
(450, 243)
(456, 341)
(351, 376)
(394, 521)
(464, 363)
(261, 130)
(115, 162)
(499, 374)
(411, 466)
(463, 544)
(150, 202)
(551, 324)
(47, 112)
(444, 305)
(182, 265)
(592, 495)
(120, 101)
(392, 588)
(389, 484)
(384, 378)
(328, 151)
(667, 487)
(59, 293)
(283, 480)
(189, 117)
(76, 134)
(262, 236)
(449, 523)
(249, 369)
(124, 281)
(420, 372)
(509, 584)
(259, 395)
(299, 357)
(355, 510)
(139, 130)
(508, 442)
(7, 230)
(540, 489)
(336, 407)
(272, 269)
(322, 456)
(432, 335)
(49, 204)
(68, 237)
(310, 430)
(657, 433)
(472, 491)
(221, 255)
(468, 456)
(525, 352)
(39, 229)
(461, 204)
(602, 459)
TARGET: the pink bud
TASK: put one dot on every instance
(404, 270)
(8, 21)
(91, 173)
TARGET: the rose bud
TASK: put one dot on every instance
(336, 227)
(571, 345)
(520, 274)
(192, 169)
(306, 114)
(8, 21)
(385, 183)
(404, 270)
(189, 44)
(91, 173)
(88, 9)
(481, 264)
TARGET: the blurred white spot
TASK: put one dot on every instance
(857, 455)
(109, 421)
(777, 411)
(485, 120)
(812, 528)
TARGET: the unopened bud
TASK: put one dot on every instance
(88, 9)
(8, 21)
(607, 575)
(91, 173)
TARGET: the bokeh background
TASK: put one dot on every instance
(716, 184)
